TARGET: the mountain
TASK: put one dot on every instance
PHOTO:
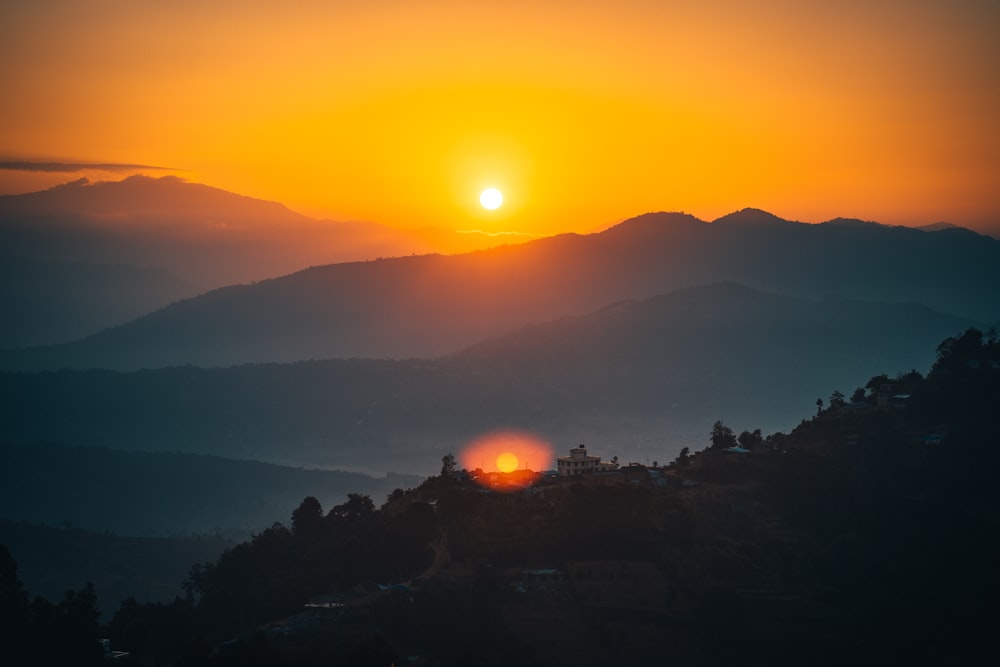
(429, 305)
(639, 379)
(205, 235)
(81, 257)
(161, 494)
(47, 302)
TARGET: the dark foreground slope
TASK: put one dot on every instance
(430, 305)
(856, 539)
(639, 380)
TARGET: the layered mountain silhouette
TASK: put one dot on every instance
(164, 493)
(48, 302)
(81, 257)
(429, 305)
(206, 236)
(639, 379)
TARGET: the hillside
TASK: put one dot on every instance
(863, 536)
(430, 305)
(639, 379)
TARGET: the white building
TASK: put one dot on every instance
(579, 462)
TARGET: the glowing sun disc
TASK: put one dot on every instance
(507, 462)
(491, 198)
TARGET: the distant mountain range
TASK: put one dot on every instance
(207, 236)
(638, 379)
(160, 494)
(48, 302)
(429, 305)
(122, 249)
(636, 338)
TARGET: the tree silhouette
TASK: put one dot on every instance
(307, 517)
(358, 506)
(750, 440)
(837, 400)
(722, 436)
(684, 457)
(448, 464)
(14, 608)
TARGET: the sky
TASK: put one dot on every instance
(582, 113)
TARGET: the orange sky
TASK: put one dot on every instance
(583, 113)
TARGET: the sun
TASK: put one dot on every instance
(507, 462)
(491, 198)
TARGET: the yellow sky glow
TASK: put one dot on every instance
(581, 113)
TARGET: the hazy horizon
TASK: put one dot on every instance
(432, 233)
(581, 113)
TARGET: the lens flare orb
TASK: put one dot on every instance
(507, 462)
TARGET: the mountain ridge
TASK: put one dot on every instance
(430, 305)
(642, 376)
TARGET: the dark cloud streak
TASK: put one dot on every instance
(70, 167)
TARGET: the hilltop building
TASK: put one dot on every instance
(579, 462)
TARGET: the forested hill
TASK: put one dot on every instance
(864, 536)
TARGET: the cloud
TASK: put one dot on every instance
(71, 167)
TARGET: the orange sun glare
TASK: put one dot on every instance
(507, 462)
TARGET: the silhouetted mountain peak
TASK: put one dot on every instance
(750, 216)
(141, 196)
(937, 227)
(657, 219)
(653, 224)
(953, 230)
(662, 217)
(851, 222)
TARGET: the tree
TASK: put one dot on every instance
(876, 383)
(66, 633)
(684, 457)
(819, 406)
(858, 396)
(396, 496)
(837, 400)
(722, 436)
(57, 634)
(962, 348)
(448, 464)
(358, 506)
(306, 518)
(14, 609)
(750, 440)
(78, 626)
